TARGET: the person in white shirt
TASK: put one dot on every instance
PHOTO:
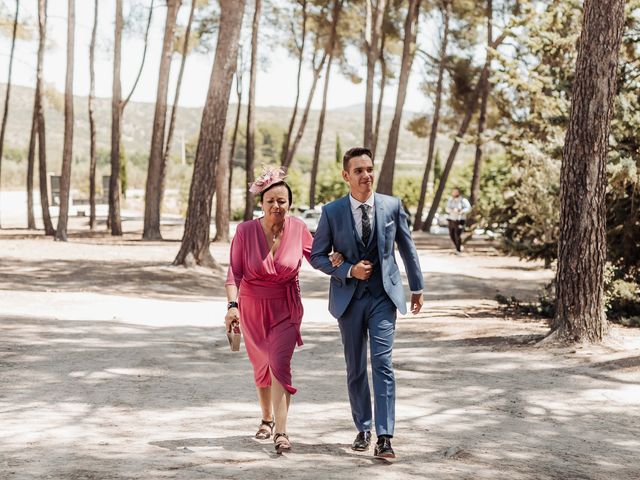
(457, 209)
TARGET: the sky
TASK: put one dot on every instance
(276, 82)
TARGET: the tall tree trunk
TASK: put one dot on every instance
(249, 201)
(375, 11)
(92, 121)
(225, 172)
(337, 6)
(176, 97)
(195, 242)
(115, 222)
(153, 191)
(42, 147)
(144, 56)
(67, 149)
(385, 178)
(582, 246)
(31, 219)
(484, 78)
(222, 192)
(433, 134)
(482, 118)
(5, 114)
(287, 138)
(305, 116)
(383, 84)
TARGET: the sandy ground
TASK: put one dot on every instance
(114, 365)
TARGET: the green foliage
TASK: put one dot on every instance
(495, 175)
(622, 297)
(330, 184)
(545, 307)
(17, 155)
(338, 150)
(533, 93)
(298, 187)
(420, 126)
(408, 189)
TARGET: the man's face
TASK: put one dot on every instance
(455, 193)
(360, 175)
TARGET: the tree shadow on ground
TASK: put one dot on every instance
(505, 404)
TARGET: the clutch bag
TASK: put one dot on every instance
(234, 337)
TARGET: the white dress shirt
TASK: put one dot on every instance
(356, 211)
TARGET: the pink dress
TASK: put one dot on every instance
(269, 296)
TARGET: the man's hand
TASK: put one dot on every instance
(416, 302)
(362, 270)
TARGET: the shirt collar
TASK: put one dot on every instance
(355, 204)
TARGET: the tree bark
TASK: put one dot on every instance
(225, 171)
(31, 219)
(5, 114)
(385, 178)
(67, 149)
(433, 134)
(144, 56)
(251, 121)
(42, 150)
(484, 78)
(195, 242)
(92, 121)
(223, 209)
(176, 97)
(482, 118)
(287, 138)
(305, 116)
(115, 222)
(582, 244)
(375, 11)
(155, 171)
(222, 192)
(337, 6)
(383, 84)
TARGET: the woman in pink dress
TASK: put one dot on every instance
(264, 296)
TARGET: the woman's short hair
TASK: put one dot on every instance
(278, 184)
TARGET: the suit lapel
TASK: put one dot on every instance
(350, 226)
(380, 221)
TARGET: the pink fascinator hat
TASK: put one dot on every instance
(270, 176)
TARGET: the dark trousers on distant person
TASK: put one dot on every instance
(455, 232)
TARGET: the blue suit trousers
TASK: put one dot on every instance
(372, 318)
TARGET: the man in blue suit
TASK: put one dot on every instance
(366, 290)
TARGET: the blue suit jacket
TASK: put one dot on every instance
(336, 232)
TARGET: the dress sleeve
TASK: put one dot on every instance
(236, 260)
(307, 242)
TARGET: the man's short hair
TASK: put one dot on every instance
(355, 152)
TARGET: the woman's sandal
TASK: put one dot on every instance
(282, 443)
(265, 430)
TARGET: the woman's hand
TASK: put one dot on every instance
(336, 259)
(233, 315)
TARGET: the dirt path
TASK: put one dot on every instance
(113, 365)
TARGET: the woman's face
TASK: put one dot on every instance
(275, 203)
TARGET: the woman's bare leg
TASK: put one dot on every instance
(264, 397)
(281, 400)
